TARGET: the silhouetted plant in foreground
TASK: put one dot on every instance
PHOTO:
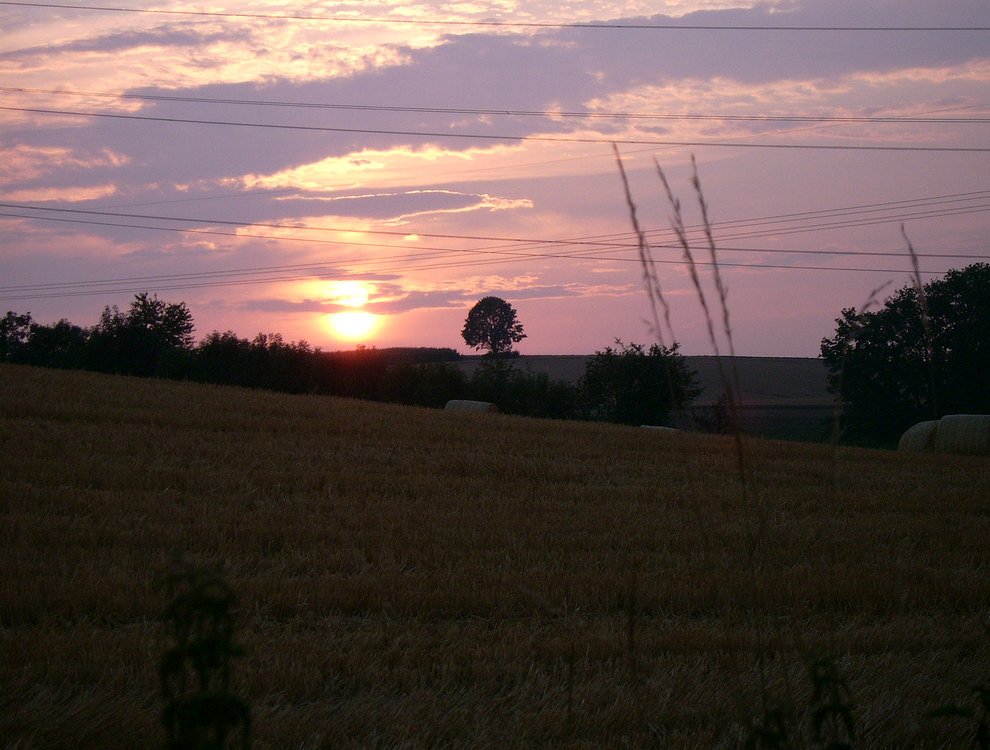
(978, 715)
(831, 722)
(201, 712)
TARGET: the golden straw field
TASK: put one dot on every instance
(421, 579)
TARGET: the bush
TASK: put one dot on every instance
(525, 393)
(635, 385)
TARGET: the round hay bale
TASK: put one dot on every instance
(967, 434)
(919, 438)
(475, 406)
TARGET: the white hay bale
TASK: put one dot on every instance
(475, 406)
(919, 438)
(964, 434)
(658, 427)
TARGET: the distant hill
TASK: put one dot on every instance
(782, 397)
(765, 381)
(396, 355)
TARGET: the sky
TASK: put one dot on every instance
(361, 173)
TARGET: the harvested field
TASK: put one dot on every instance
(406, 579)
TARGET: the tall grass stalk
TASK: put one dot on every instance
(651, 282)
(654, 291)
(926, 325)
(758, 540)
(729, 378)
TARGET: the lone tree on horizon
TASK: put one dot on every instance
(492, 324)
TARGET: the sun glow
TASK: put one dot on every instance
(352, 325)
(350, 293)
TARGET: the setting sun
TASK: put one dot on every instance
(352, 325)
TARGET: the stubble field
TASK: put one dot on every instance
(417, 578)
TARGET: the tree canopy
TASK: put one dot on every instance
(635, 385)
(492, 324)
(146, 339)
(892, 370)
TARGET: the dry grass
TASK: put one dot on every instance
(410, 579)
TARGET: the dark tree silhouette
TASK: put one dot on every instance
(61, 344)
(148, 339)
(890, 373)
(491, 324)
(14, 332)
(635, 385)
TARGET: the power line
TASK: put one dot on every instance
(502, 137)
(909, 205)
(507, 112)
(619, 244)
(496, 24)
(134, 287)
(341, 274)
(429, 258)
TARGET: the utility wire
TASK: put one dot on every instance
(750, 224)
(343, 274)
(445, 256)
(617, 245)
(501, 137)
(491, 23)
(506, 112)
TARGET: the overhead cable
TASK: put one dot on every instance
(906, 210)
(588, 114)
(586, 246)
(618, 26)
(503, 137)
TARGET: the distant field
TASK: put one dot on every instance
(418, 578)
(783, 397)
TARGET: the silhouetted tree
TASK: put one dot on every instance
(891, 374)
(517, 392)
(14, 332)
(635, 385)
(61, 344)
(223, 358)
(149, 339)
(430, 384)
(279, 365)
(356, 374)
(491, 324)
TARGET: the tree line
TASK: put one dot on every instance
(922, 354)
(627, 383)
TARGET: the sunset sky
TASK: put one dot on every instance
(277, 165)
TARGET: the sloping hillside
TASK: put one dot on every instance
(418, 578)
